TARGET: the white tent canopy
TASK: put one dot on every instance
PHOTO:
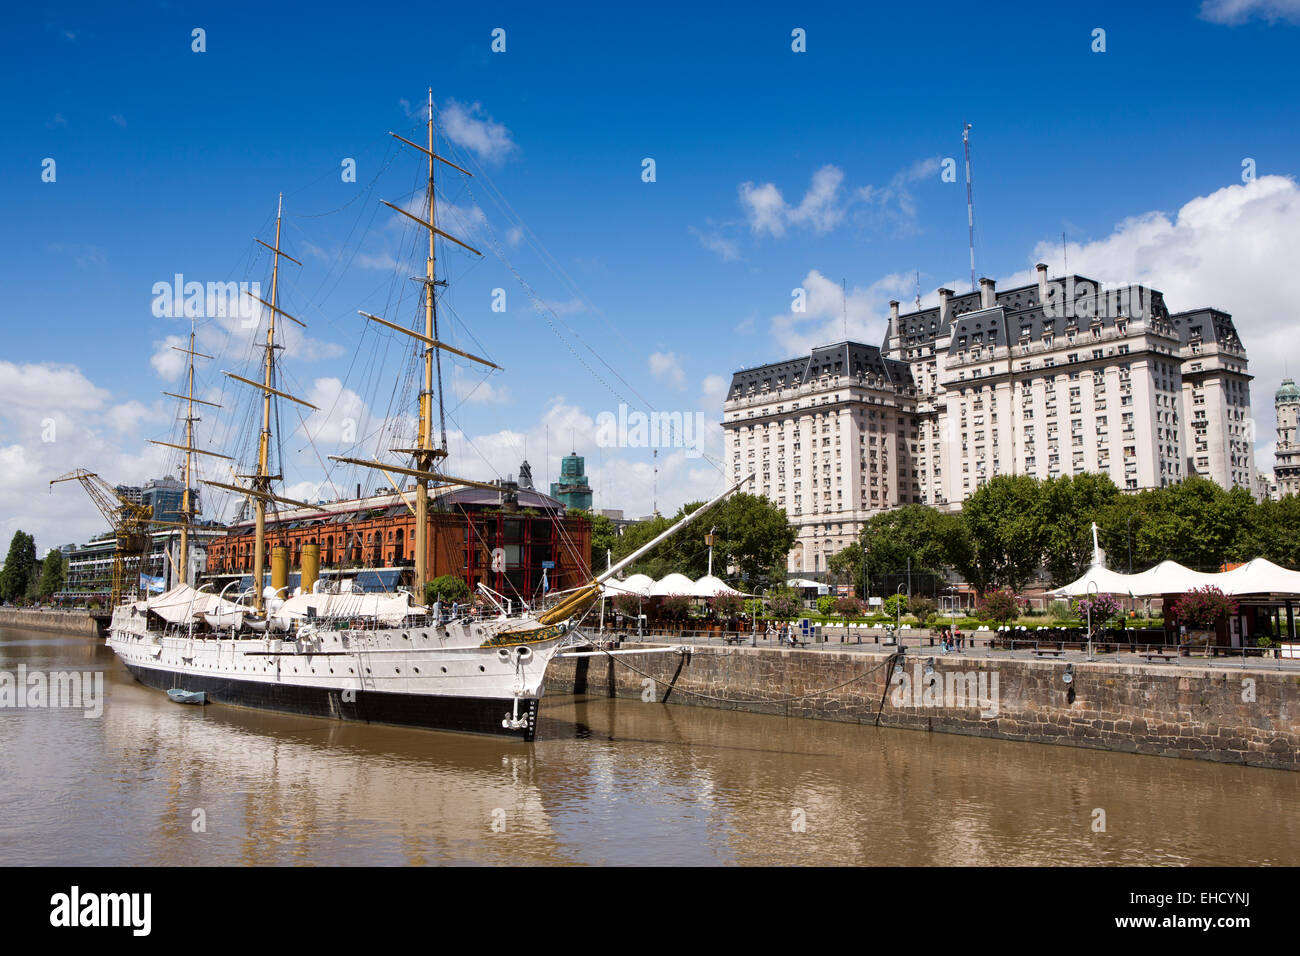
(1259, 576)
(1098, 579)
(636, 584)
(1169, 577)
(672, 584)
(805, 583)
(709, 586)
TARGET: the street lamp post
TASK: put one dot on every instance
(898, 617)
(1092, 590)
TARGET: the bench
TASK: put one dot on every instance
(1158, 651)
(1054, 651)
(736, 638)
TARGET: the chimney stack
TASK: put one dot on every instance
(988, 294)
(1042, 284)
(943, 305)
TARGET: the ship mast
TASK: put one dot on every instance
(425, 454)
(259, 488)
(187, 502)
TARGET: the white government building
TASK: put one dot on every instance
(1058, 378)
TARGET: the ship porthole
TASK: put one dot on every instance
(405, 636)
(481, 668)
(417, 670)
(444, 670)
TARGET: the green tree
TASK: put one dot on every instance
(19, 571)
(826, 605)
(752, 534)
(1067, 507)
(448, 588)
(604, 536)
(925, 535)
(656, 564)
(1196, 523)
(1004, 534)
(896, 605)
(845, 565)
(52, 573)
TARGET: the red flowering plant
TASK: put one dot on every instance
(1202, 608)
(1103, 607)
(1001, 606)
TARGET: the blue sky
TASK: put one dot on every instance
(773, 169)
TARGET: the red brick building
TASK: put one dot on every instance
(468, 529)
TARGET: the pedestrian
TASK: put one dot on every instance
(437, 609)
(455, 610)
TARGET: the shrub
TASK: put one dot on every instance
(1000, 606)
(847, 607)
(1202, 607)
(923, 609)
(1103, 607)
(727, 605)
(675, 607)
(826, 605)
(784, 604)
(895, 606)
(629, 605)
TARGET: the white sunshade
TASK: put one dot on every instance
(635, 584)
(1105, 580)
(709, 586)
(1169, 577)
(1259, 576)
(672, 584)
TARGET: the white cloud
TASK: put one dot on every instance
(54, 419)
(727, 249)
(1236, 12)
(825, 206)
(119, 119)
(666, 367)
(514, 236)
(477, 389)
(823, 319)
(166, 361)
(472, 128)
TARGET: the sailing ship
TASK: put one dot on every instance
(367, 657)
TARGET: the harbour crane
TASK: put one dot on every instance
(131, 524)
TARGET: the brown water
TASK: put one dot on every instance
(615, 782)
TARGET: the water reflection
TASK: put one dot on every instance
(607, 782)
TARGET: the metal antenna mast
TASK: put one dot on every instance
(970, 202)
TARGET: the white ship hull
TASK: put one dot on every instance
(436, 677)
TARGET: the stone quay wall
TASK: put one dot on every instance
(68, 622)
(1247, 715)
